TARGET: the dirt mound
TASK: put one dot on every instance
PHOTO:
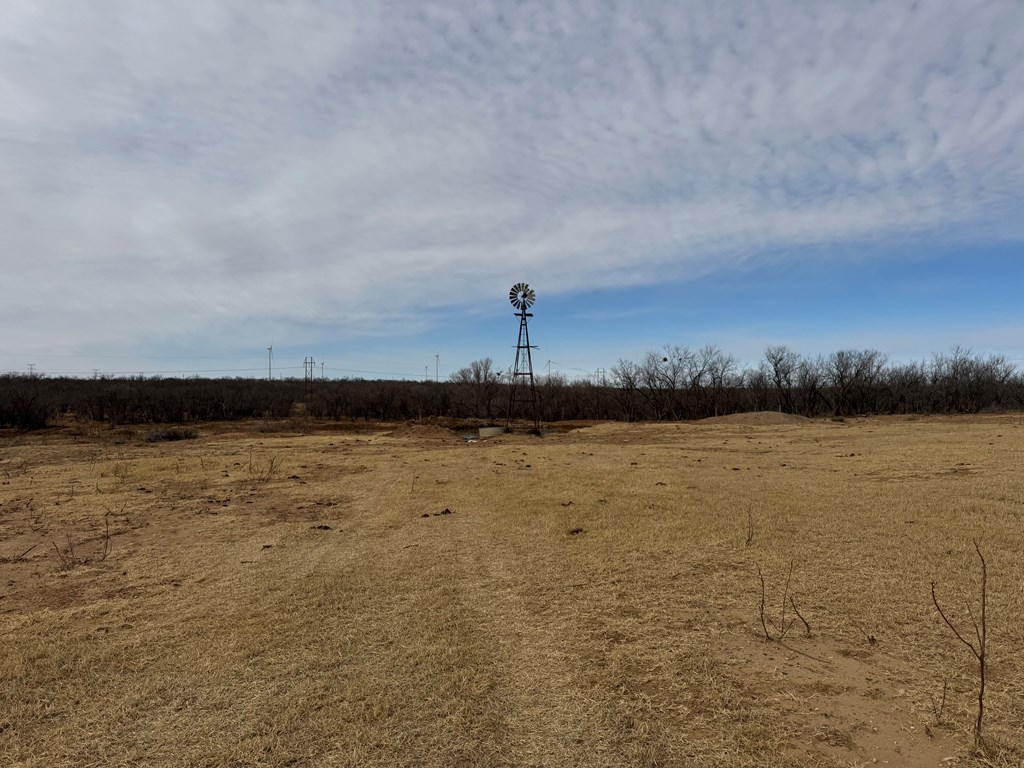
(758, 418)
(423, 432)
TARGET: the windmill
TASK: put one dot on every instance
(270, 362)
(522, 389)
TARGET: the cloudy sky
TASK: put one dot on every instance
(183, 184)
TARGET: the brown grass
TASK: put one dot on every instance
(590, 600)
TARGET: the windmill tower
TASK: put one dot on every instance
(522, 399)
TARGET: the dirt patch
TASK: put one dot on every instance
(851, 708)
(758, 418)
(424, 432)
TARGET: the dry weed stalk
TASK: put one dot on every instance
(19, 557)
(67, 559)
(750, 526)
(872, 640)
(263, 472)
(939, 710)
(807, 626)
(782, 627)
(979, 650)
(106, 535)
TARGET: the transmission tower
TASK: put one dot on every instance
(522, 400)
(308, 368)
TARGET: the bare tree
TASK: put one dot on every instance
(625, 386)
(810, 380)
(781, 366)
(663, 379)
(482, 382)
(721, 372)
(554, 402)
(852, 376)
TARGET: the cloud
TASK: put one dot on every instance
(170, 170)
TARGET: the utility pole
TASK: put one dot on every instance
(321, 370)
(426, 374)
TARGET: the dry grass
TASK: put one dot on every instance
(591, 600)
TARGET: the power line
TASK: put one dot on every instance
(97, 373)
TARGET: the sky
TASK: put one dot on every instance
(183, 185)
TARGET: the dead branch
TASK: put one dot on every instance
(63, 560)
(981, 634)
(764, 625)
(780, 626)
(783, 627)
(106, 536)
(872, 640)
(796, 610)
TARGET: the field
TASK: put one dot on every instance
(315, 595)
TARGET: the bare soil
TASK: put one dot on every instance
(760, 418)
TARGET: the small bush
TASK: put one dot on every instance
(171, 433)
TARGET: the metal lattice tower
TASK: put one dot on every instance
(522, 389)
(307, 367)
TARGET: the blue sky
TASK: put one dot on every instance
(362, 182)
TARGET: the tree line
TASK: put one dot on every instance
(673, 383)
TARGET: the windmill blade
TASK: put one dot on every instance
(522, 296)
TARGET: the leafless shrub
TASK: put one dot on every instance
(778, 628)
(66, 560)
(979, 648)
(263, 469)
